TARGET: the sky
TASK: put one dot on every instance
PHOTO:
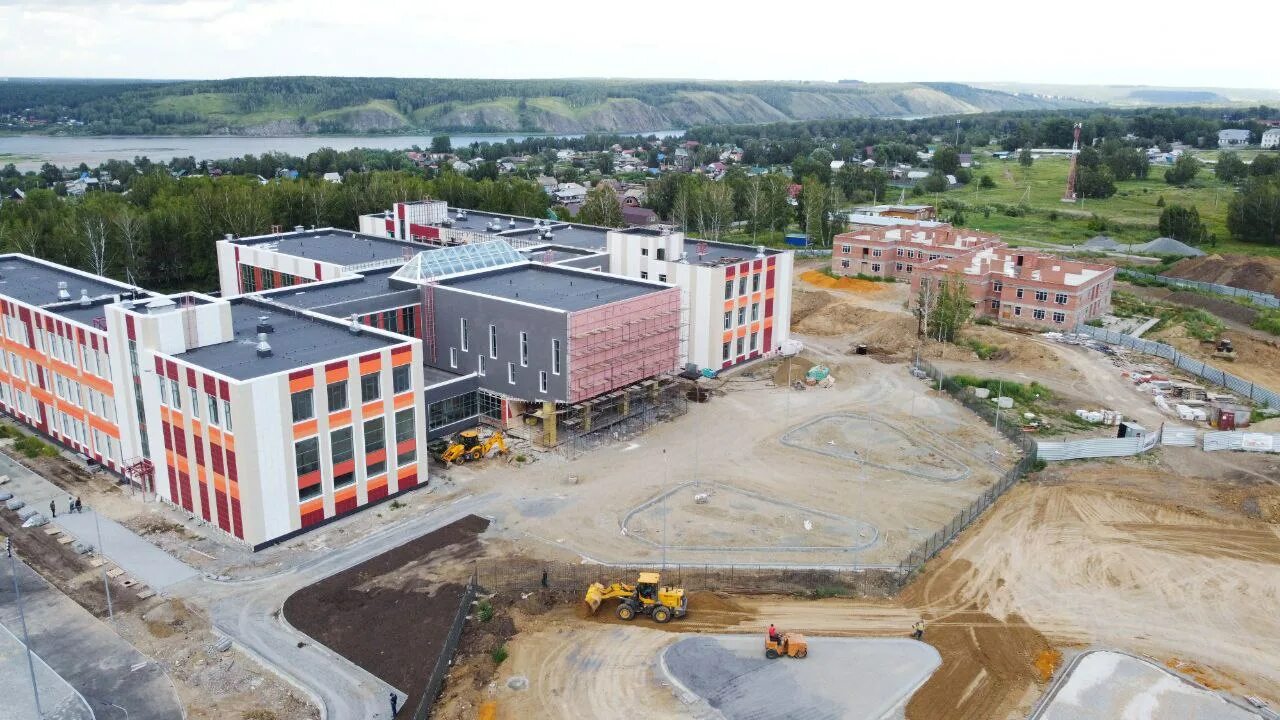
(1082, 42)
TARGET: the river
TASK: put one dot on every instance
(29, 152)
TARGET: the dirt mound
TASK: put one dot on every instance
(791, 370)
(1260, 274)
(850, 284)
(861, 323)
(804, 303)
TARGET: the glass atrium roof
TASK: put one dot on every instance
(435, 264)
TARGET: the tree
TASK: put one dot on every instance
(1024, 157)
(601, 207)
(986, 183)
(1254, 213)
(1182, 223)
(935, 183)
(942, 307)
(814, 199)
(1095, 182)
(717, 209)
(1265, 165)
(441, 144)
(1183, 170)
(1230, 168)
(946, 160)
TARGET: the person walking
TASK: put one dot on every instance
(53, 508)
(79, 506)
(544, 577)
(71, 505)
(395, 703)
(917, 630)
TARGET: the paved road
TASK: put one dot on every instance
(92, 658)
(248, 611)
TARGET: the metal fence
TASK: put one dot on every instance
(435, 681)
(1257, 298)
(1245, 388)
(944, 535)
(1240, 440)
(1178, 435)
(1098, 447)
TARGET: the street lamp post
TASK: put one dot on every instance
(22, 618)
(106, 584)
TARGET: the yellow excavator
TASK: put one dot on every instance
(646, 597)
(469, 446)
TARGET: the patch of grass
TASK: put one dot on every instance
(1021, 393)
(484, 610)
(34, 447)
(396, 505)
(827, 591)
(1268, 321)
(984, 351)
(521, 459)
(8, 431)
(499, 654)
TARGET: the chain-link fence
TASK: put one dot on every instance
(944, 535)
(435, 681)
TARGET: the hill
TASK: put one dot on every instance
(307, 105)
(1137, 95)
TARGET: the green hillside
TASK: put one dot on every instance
(307, 105)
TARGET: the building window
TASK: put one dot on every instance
(464, 336)
(226, 415)
(995, 304)
(754, 336)
(1017, 310)
(1059, 317)
(493, 341)
(511, 373)
(644, 275)
(661, 253)
(174, 393)
(1060, 298)
(404, 433)
(306, 454)
(337, 392)
(247, 283)
(755, 283)
(909, 268)
(728, 289)
(728, 319)
(524, 349)
(490, 405)
(877, 253)
(741, 342)
(453, 357)
(742, 285)
(755, 311)
(195, 405)
(846, 249)
(303, 407)
(164, 391)
(1018, 293)
(451, 410)
(644, 252)
(341, 448)
(875, 267)
(897, 266)
(844, 263)
(480, 365)
(375, 436)
(400, 379)
(662, 278)
(542, 381)
(268, 279)
(1042, 295)
(1037, 314)
(410, 321)
(213, 409)
(370, 386)
(997, 286)
(742, 315)
(555, 357)
(389, 321)
(724, 351)
(901, 252)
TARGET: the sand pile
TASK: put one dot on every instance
(851, 284)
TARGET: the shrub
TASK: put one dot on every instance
(484, 609)
(984, 351)
(1268, 321)
(1096, 322)
(34, 447)
(1024, 394)
(396, 505)
(499, 654)
(984, 321)
(521, 458)
(986, 183)
(7, 431)
(827, 591)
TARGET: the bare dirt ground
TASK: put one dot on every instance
(1251, 272)
(1257, 356)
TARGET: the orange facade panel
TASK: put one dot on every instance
(403, 400)
(306, 428)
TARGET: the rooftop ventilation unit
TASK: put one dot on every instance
(230, 236)
(355, 327)
(264, 327)
(264, 348)
(511, 222)
(62, 291)
(760, 251)
(298, 228)
(84, 298)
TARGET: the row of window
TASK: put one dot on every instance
(742, 285)
(69, 351)
(342, 449)
(644, 275)
(216, 412)
(742, 316)
(1036, 313)
(1040, 295)
(303, 401)
(741, 346)
(249, 284)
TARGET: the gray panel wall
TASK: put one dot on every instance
(510, 319)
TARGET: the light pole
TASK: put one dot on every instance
(664, 508)
(106, 585)
(22, 618)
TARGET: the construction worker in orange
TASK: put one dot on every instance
(773, 633)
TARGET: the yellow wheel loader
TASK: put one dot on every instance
(646, 597)
(469, 446)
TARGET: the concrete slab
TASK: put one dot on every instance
(58, 699)
(1102, 685)
(136, 556)
(842, 678)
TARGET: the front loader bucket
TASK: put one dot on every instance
(595, 595)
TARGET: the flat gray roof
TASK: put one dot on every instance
(432, 375)
(723, 253)
(563, 233)
(552, 286)
(340, 247)
(297, 341)
(36, 283)
(554, 253)
(317, 295)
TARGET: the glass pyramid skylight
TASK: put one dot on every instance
(435, 264)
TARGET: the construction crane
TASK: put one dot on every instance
(1070, 195)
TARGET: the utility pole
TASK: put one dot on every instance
(106, 584)
(664, 508)
(22, 618)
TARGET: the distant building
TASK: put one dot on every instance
(1233, 138)
(547, 183)
(333, 177)
(633, 215)
(570, 193)
(1271, 139)
(906, 212)
(897, 249)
